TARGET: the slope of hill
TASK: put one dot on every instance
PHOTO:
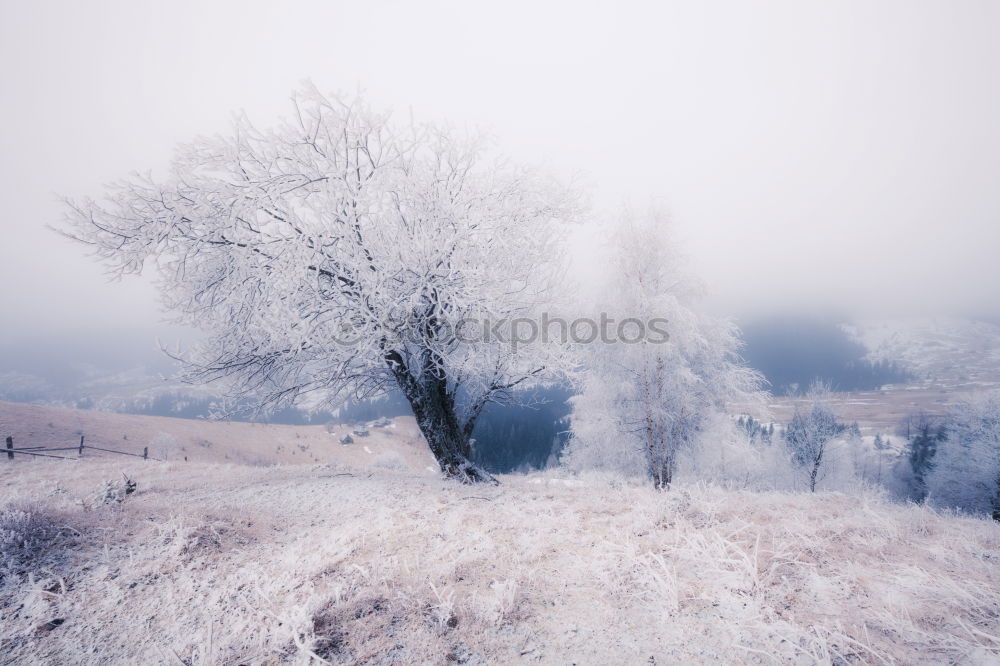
(950, 354)
(200, 441)
(230, 564)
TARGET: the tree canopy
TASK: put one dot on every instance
(337, 253)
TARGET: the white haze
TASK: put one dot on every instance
(842, 156)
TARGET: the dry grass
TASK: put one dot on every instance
(227, 564)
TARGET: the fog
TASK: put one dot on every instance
(843, 157)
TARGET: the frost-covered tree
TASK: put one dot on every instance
(754, 429)
(337, 254)
(966, 467)
(164, 446)
(810, 432)
(644, 398)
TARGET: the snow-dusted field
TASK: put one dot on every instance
(200, 441)
(228, 564)
(875, 411)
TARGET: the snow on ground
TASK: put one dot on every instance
(223, 564)
(875, 411)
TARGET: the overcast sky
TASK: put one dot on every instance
(841, 153)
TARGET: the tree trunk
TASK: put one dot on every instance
(434, 408)
(814, 473)
(812, 476)
(662, 472)
(446, 439)
(663, 477)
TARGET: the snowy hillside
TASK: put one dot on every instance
(231, 564)
(398, 441)
(134, 389)
(947, 353)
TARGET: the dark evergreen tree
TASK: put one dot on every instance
(926, 436)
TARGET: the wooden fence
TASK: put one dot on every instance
(46, 451)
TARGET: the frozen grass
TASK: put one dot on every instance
(225, 564)
(29, 535)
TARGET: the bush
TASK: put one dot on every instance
(27, 535)
(390, 460)
(114, 491)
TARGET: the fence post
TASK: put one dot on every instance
(10, 445)
(145, 452)
(81, 445)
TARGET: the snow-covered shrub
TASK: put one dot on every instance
(185, 539)
(27, 533)
(844, 465)
(965, 472)
(502, 606)
(727, 455)
(598, 440)
(114, 491)
(389, 460)
(868, 462)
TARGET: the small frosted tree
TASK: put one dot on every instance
(645, 397)
(336, 254)
(810, 432)
(965, 472)
(163, 445)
